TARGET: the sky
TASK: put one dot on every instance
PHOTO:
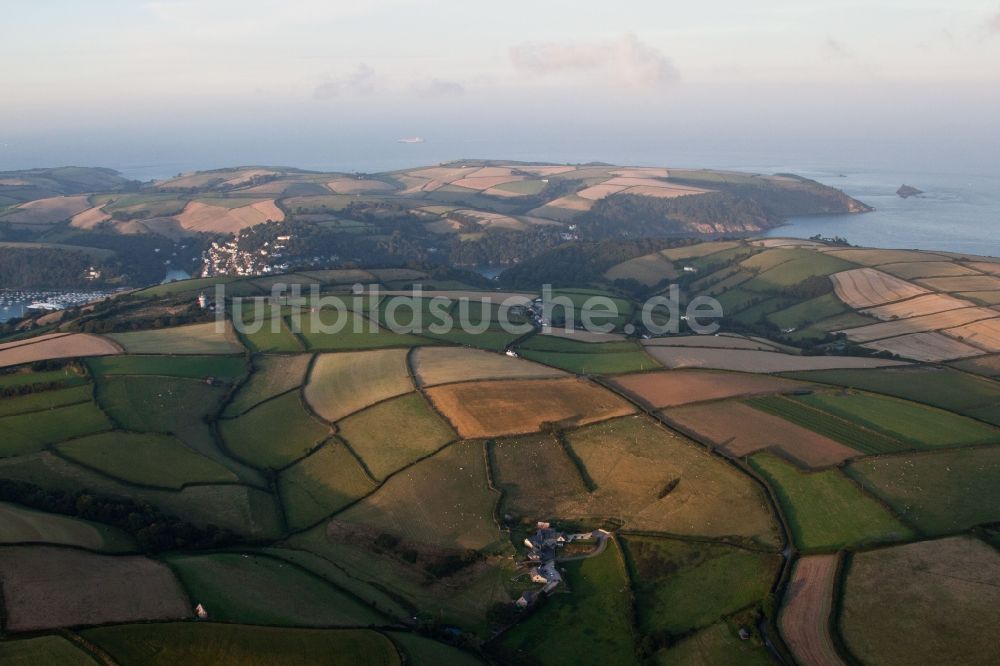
(184, 83)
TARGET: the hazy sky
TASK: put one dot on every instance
(225, 81)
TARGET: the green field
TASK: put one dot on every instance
(939, 492)
(955, 391)
(807, 312)
(821, 328)
(394, 433)
(322, 483)
(158, 404)
(45, 400)
(192, 367)
(192, 339)
(27, 433)
(169, 644)
(272, 376)
(22, 525)
(787, 267)
(907, 421)
(43, 650)
(594, 620)
(272, 336)
(273, 434)
(146, 459)
(682, 585)
(420, 650)
(553, 343)
(492, 339)
(717, 645)
(834, 427)
(594, 364)
(67, 376)
(257, 589)
(443, 501)
(825, 510)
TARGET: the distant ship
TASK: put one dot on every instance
(411, 139)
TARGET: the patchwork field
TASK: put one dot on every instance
(927, 602)
(45, 400)
(341, 384)
(224, 219)
(27, 433)
(925, 269)
(322, 483)
(272, 376)
(982, 334)
(193, 339)
(46, 587)
(47, 212)
(672, 388)
(440, 502)
(651, 479)
(208, 643)
(257, 589)
(273, 434)
(917, 307)
(56, 345)
(877, 257)
(440, 365)
(146, 459)
(738, 430)
(940, 492)
(718, 644)
(825, 510)
(336, 330)
(710, 341)
(932, 322)
(508, 407)
(193, 367)
(987, 366)
(867, 287)
(606, 363)
(967, 283)
(21, 525)
(394, 433)
(647, 270)
(681, 585)
(805, 615)
(929, 347)
(746, 360)
(537, 476)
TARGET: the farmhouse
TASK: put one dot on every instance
(542, 547)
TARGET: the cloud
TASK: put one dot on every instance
(438, 88)
(625, 59)
(360, 82)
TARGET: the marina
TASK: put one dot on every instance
(16, 303)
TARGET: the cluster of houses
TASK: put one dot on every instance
(226, 258)
(543, 547)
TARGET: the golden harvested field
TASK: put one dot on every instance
(546, 170)
(356, 185)
(875, 257)
(491, 220)
(653, 479)
(931, 322)
(930, 347)
(916, 307)
(445, 174)
(648, 270)
(982, 297)
(56, 345)
(982, 334)
(511, 407)
(699, 250)
(203, 217)
(669, 388)
(347, 382)
(993, 268)
(48, 211)
(663, 192)
(480, 183)
(747, 360)
(866, 287)
(971, 283)
(45, 587)
(595, 192)
(724, 341)
(926, 269)
(642, 172)
(805, 615)
(931, 602)
(571, 202)
(442, 365)
(89, 218)
(786, 242)
(740, 430)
